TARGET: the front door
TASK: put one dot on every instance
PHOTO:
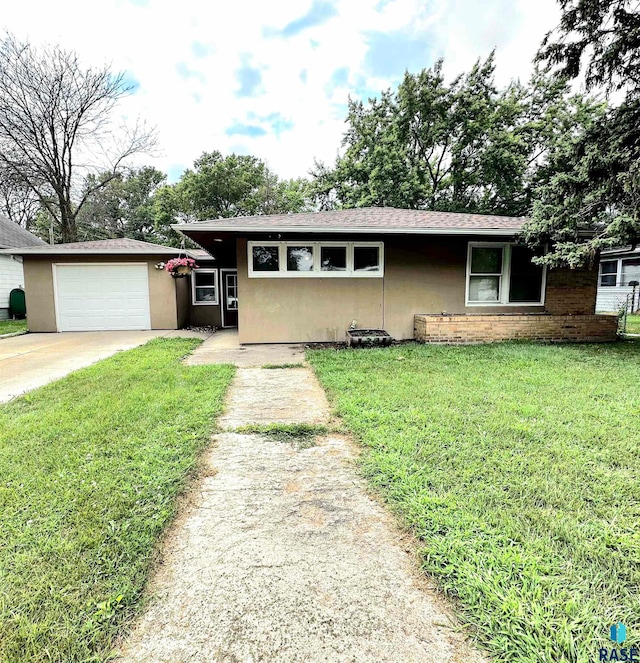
(230, 298)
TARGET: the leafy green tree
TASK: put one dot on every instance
(374, 169)
(220, 186)
(235, 185)
(165, 212)
(276, 196)
(458, 146)
(592, 201)
(123, 206)
(139, 203)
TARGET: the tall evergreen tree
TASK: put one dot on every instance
(593, 200)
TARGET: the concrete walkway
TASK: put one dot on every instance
(33, 360)
(280, 555)
(223, 348)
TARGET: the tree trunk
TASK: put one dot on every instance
(68, 223)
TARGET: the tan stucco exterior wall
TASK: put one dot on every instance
(163, 299)
(38, 288)
(38, 276)
(280, 310)
(428, 275)
(422, 275)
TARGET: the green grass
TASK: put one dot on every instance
(633, 324)
(283, 366)
(303, 436)
(517, 466)
(12, 326)
(90, 468)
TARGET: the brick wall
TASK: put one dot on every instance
(571, 291)
(508, 327)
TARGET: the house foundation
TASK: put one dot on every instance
(470, 328)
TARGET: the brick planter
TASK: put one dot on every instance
(507, 327)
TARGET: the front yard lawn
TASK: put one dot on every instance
(90, 467)
(517, 466)
(12, 326)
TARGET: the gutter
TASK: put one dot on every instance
(360, 230)
(90, 252)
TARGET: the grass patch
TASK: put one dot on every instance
(302, 436)
(283, 366)
(633, 324)
(12, 326)
(90, 467)
(517, 467)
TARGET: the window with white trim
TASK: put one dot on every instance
(630, 270)
(503, 274)
(315, 259)
(608, 273)
(204, 287)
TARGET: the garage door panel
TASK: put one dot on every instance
(102, 296)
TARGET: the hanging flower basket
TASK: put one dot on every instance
(180, 267)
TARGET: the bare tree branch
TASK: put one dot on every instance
(57, 125)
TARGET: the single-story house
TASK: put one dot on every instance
(618, 268)
(432, 276)
(11, 274)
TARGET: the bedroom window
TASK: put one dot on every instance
(502, 274)
(204, 287)
(316, 259)
(525, 277)
(485, 273)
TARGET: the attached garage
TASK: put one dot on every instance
(102, 296)
(115, 284)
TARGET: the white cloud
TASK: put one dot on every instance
(186, 57)
(468, 30)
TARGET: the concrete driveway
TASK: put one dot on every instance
(32, 360)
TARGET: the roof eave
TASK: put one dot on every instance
(620, 252)
(185, 228)
(37, 251)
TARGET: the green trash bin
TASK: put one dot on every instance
(17, 304)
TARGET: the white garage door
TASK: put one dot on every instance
(102, 296)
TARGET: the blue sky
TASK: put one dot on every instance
(273, 78)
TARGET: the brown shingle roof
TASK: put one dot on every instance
(102, 246)
(364, 219)
(13, 236)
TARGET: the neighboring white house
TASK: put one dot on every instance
(618, 267)
(12, 236)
